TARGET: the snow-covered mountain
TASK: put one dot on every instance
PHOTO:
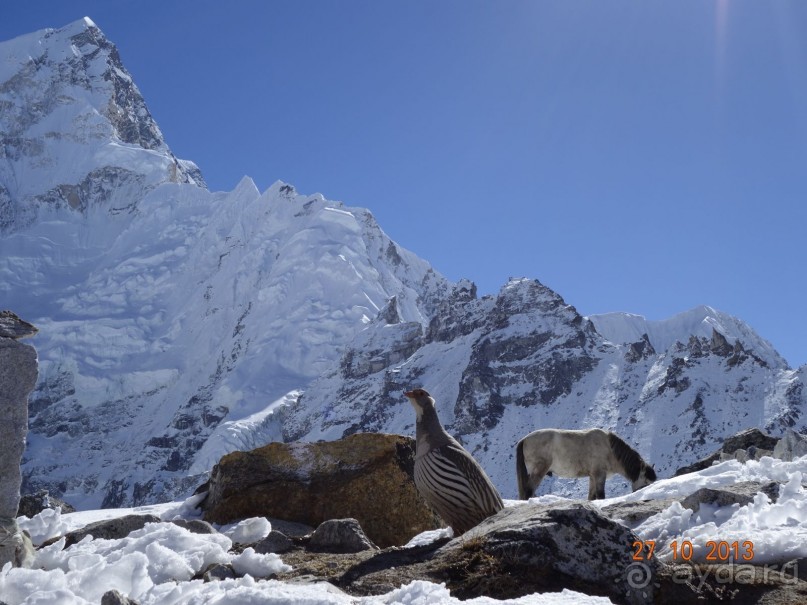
(75, 130)
(177, 324)
(502, 366)
(162, 324)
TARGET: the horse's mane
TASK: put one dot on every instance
(630, 460)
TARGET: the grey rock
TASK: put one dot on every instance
(276, 542)
(751, 439)
(791, 446)
(33, 504)
(18, 372)
(111, 529)
(752, 453)
(195, 526)
(340, 535)
(11, 326)
(559, 546)
(633, 514)
(290, 528)
(741, 493)
(219, 572)
(113, 597)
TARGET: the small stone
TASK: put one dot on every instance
(276, 542)
(113, 597)
(219, 572)
(195, 526)
(340, 535)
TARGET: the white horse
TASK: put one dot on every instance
(594, 453)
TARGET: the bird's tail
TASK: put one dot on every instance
(524, 488)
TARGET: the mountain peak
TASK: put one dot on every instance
(75, 129)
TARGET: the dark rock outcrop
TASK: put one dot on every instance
(367, 476)
(11, 326)
(519, 551)
(33, 504)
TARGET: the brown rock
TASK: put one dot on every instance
(366, 476)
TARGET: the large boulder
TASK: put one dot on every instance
(521, 550)
(551, 547)
(18, 372)
(366, 476)
(110, 529)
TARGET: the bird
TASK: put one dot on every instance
(446, 475)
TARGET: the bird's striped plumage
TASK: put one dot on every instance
(447, 476)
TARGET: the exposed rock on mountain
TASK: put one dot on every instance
(506, 365)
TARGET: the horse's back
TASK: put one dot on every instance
(566, 452)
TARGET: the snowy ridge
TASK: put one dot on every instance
(627, 328)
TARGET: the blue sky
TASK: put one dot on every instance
(639, 156)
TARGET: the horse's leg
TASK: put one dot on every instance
(596, 486)
(537, 475)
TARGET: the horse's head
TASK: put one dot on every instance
(646, 476)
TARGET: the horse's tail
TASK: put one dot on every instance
(524, 489)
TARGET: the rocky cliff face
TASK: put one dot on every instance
(500, 367)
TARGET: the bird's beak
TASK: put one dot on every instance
(409, 394)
